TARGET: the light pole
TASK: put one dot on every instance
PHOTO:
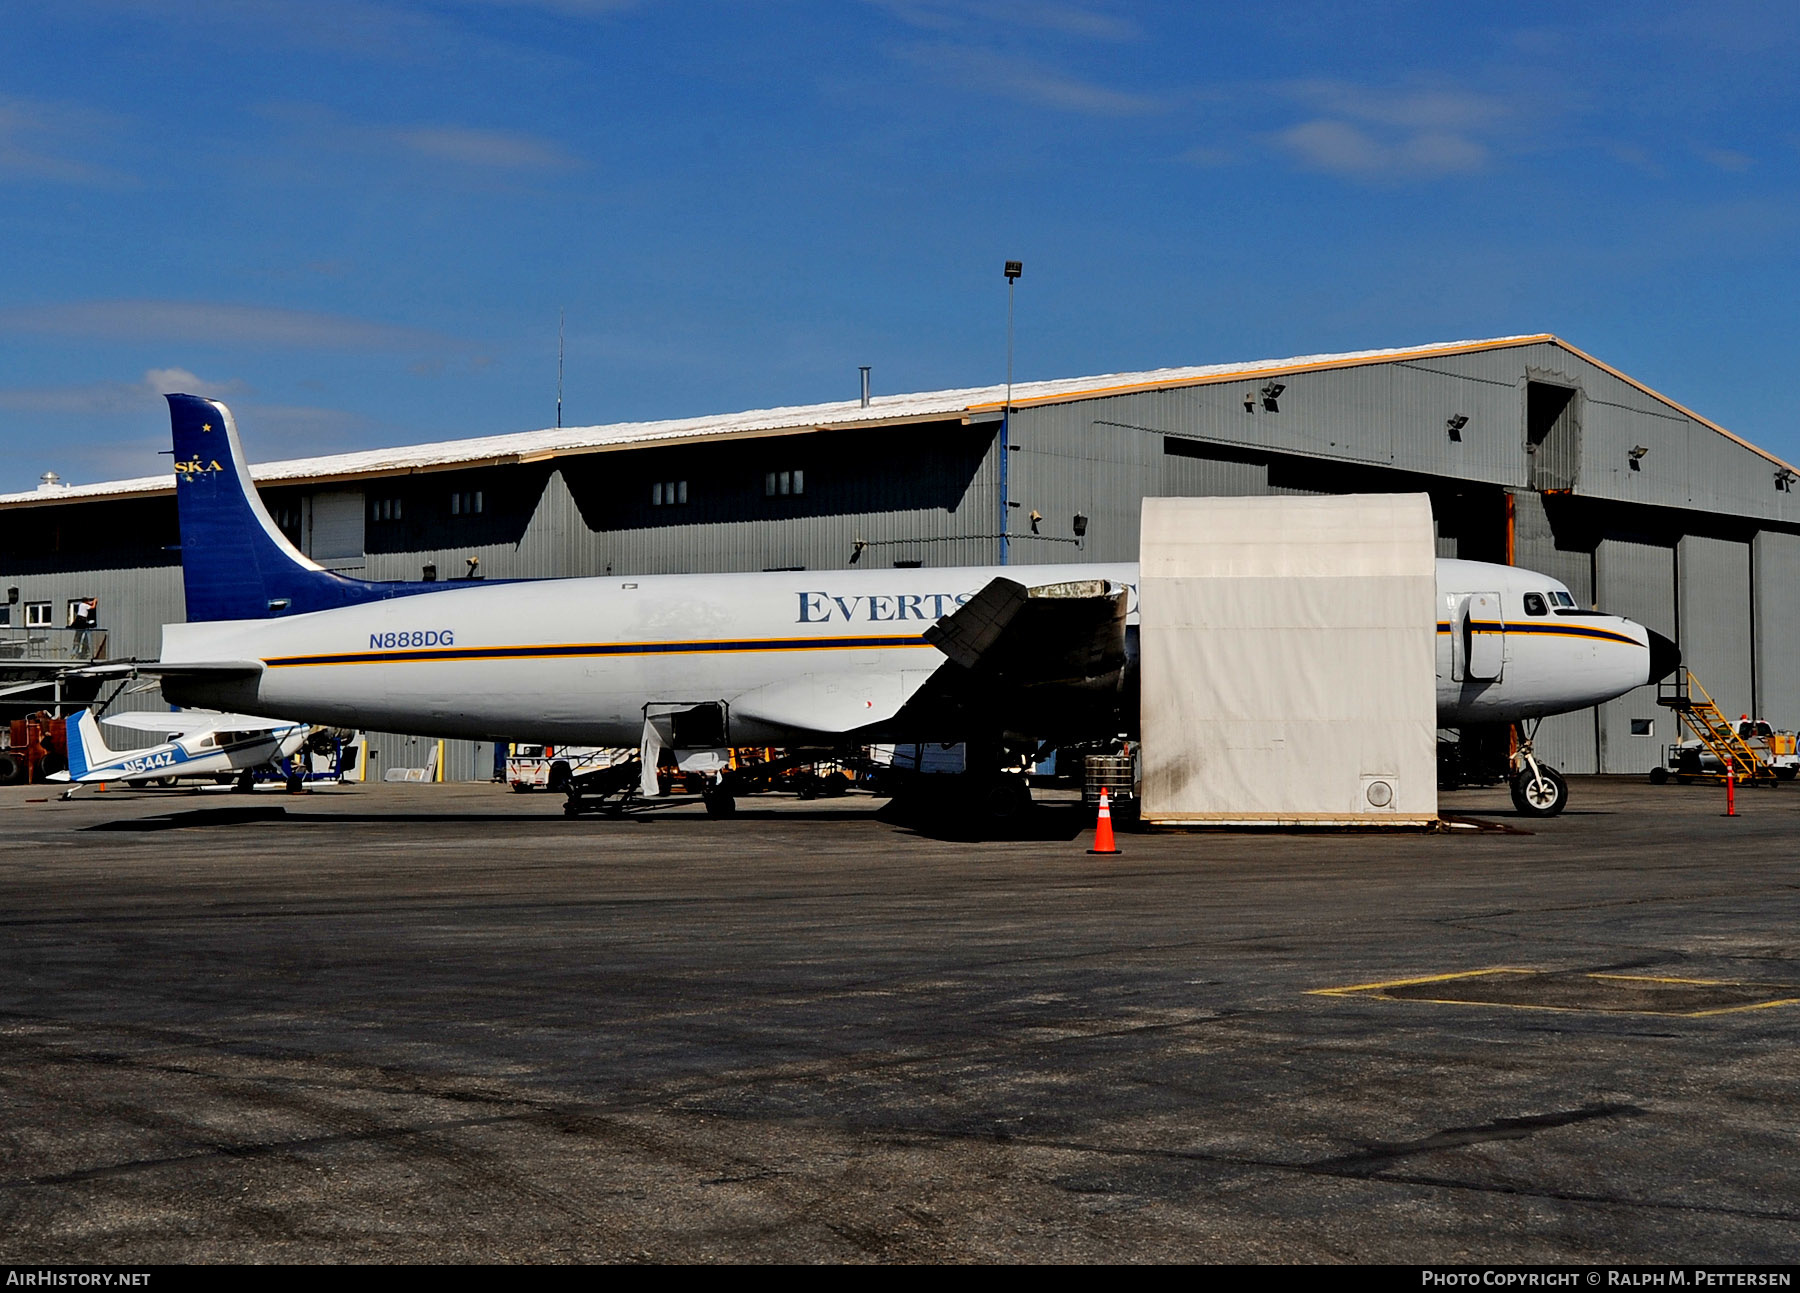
(1013, 269)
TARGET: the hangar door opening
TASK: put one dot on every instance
(1552, 434)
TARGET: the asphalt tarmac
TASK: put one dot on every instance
(443, 1023)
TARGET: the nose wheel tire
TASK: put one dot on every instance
(1544, 794)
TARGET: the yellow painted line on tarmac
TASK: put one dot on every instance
(1349, 988)
(1738, 1010)
(1352, 989)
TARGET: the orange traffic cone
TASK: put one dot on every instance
(1103, 836)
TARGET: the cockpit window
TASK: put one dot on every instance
(1534, 604)
(1562, 599)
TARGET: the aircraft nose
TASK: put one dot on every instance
(1665, 656)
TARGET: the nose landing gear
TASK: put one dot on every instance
(1538, 790)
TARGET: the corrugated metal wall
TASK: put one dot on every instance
(1715, 617)
(1776, 558)
(1067, 463)
(462, 760)
(1636, 580)
(134, 603)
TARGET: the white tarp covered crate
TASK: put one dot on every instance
(1289, 660)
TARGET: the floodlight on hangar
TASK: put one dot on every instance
(1271, 392)
(1784, 480)
(1637, 456)
(1454, 425)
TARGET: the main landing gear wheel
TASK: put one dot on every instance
(1540, 794)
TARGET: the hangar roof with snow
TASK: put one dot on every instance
(971, 404)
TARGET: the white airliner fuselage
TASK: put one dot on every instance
(792, 653)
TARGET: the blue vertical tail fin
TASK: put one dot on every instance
(235, 562)
(87, 749)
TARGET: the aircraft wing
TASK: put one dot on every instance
(1011, 633)
(1006, 640)
(830, 702)
(189, 722)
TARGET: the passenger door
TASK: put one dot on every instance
(1477, 638)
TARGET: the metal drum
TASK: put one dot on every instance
(1113, 772)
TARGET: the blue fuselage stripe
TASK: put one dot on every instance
(1546, 630)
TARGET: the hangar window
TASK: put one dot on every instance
(388, 509)
(1643, 727)
(468, 502)
(1534, 604)
(37, 615)
(668, 493)
(777, 483)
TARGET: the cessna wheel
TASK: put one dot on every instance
(1544, 795)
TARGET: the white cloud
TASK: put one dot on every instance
(1727, 159)
(325, 132)
(170, 381)
(116, 396)
(567, 8)
(214, 323)
(1084, 21)
(1370, 132)
(1346, 149)
(492, 148)
(1029, 81)
(38, 140)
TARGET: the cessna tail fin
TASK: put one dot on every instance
(87, 748)
(235, 562)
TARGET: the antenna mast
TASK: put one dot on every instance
(559, 366)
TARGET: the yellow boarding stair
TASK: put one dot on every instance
(1699, 713)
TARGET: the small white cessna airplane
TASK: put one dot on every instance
(200, 744)
(1001, 657)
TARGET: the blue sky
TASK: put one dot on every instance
(357, 221)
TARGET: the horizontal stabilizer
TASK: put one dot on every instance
(210, 669)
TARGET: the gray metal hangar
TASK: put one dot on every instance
(1531, 451)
